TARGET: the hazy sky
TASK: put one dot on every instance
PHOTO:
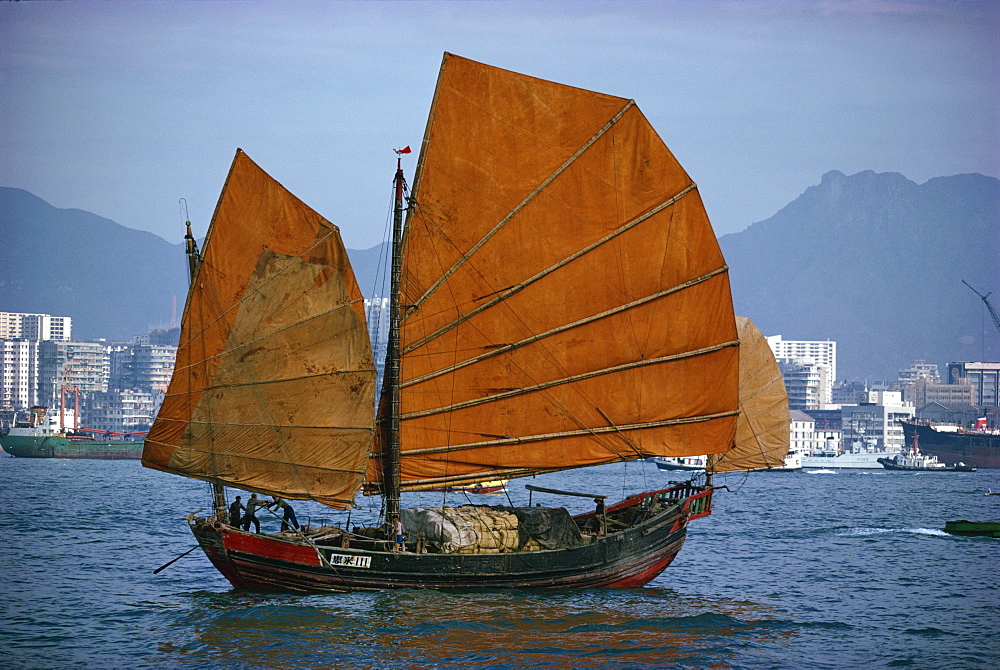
(123, 108)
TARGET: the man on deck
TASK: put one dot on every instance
(234, 513)
(288, 519)
(251, 515)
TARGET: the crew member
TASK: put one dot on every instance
(251, 516)
(397, 525)
(288, 519)
(234, 513)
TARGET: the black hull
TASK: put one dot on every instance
(981, 450)
(287, 562)
(889, 464)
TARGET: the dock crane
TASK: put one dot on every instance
(985, 299)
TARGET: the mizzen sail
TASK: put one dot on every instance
(762, 436)
(565, 300)
(274, 381)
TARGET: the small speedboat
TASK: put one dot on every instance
(976, 528)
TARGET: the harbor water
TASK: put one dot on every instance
(792, 570)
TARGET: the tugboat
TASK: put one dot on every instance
(921, 462)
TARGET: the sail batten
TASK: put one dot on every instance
(502, 294)
(497, 350)
(569, 380)
(597, 430)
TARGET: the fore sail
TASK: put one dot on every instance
(565, 300)
(762, 430)
(274, 381)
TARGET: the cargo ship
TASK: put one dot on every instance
(43, 434)
(952, 445)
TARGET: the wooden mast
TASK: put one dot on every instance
(194, 262)
(391, 482)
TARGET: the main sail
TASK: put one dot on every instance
(274, 381)
(762, 436)
(565, 300)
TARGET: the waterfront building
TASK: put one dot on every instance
(921, 392)
(36, 327)
(920, 370)
(121, 411)
(809, 369)
(18, 374)
(807, 383)
(875, 423)
(984, 377)
(81, 366)
(822, 352)
(377, 314)
(849, 393)
(802, 429)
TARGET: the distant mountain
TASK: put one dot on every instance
(113, 281)
(872, 261)
(875, 262)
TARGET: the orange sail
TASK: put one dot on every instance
(565, 300)
(762, 436)
(274, 381)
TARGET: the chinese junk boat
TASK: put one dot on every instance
(559, 301)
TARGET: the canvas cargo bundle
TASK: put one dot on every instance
(481, 530)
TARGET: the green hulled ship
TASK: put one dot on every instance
(43, 435)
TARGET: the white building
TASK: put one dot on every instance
(808, 384)
(822, 352)
(377, 314)
(18, 374)
(809, 368)
(36, 327)
(802, 432)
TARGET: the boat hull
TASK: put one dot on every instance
(626, 558)
(890, 464)
(850, 461)
(58, 446)
(973, 528)
(981, 450)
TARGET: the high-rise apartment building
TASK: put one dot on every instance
(822, 352)
(35, 327)
(83, 366)
(809, 369)
(18, 374)
(807, 383)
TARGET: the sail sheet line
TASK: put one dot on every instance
(531, 196)
(247, 343)
(569, 326)
(259, 289)
(620, 434)
(503, 294)
(569, 380)
(503, 441)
